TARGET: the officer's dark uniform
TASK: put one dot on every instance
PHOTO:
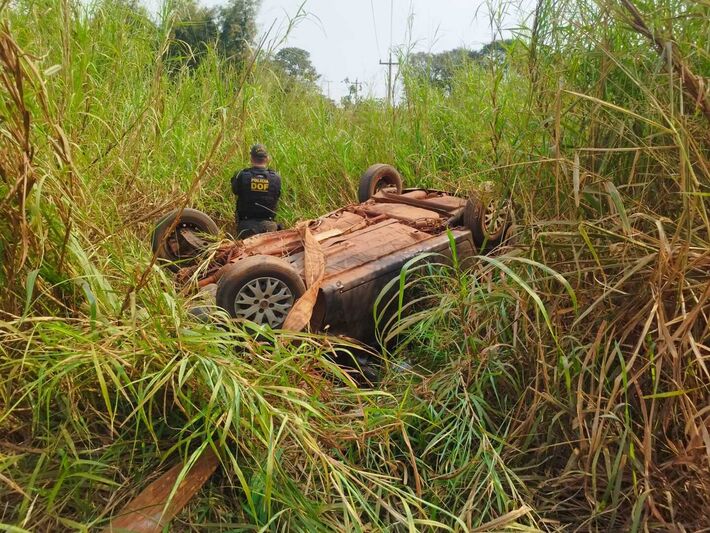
(258, 190)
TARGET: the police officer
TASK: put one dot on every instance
(257, 189)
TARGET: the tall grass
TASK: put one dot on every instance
(560, 384)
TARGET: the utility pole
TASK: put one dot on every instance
(353, 87)
(328, 82)
(390, 63)
(390, 88)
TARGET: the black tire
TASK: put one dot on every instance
(164, 247)
(376, 177)
(477, 218)
(369, 372)
(235, 292)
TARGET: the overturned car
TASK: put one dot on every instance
(364, 246)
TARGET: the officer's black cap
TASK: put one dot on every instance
(258, 152)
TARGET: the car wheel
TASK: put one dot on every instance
(376, 178)
(183, 244)
(260, 288)
(488, 223)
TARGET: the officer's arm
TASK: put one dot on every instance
(236, 182)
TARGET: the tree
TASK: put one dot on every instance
(438, 69)
(495, 51)
(353, 96)
(195, 30)
(231, 29)
(238, 29)
(296, 62)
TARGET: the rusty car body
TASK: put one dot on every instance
(364, 246)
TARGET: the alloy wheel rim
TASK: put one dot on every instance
(264, 300)
(495, 217)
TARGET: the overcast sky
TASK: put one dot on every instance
(348, 38)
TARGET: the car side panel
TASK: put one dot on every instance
(350, 257)
(345, 302)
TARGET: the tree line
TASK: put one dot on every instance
(231, 30)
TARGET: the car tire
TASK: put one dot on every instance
(376, 177)
(260, 288)
(196, 220)
(488, 224)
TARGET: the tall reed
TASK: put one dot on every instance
(561, 383)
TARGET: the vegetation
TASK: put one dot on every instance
(296, 63)
(230, 29)
(561, 384)
(439, 69)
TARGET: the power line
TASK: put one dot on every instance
(374, 26)
(389, 62)
(391, 19)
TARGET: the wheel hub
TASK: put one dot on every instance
(495, 217)
(184, 242)
(264, 300)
